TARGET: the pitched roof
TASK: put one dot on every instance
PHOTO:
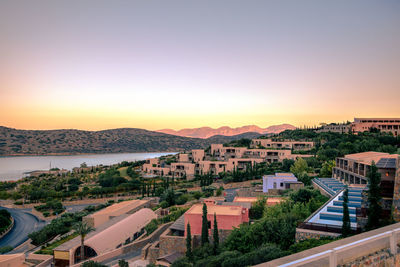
(179, 224)
(109, 235)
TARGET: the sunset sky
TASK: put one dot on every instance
(181, 64)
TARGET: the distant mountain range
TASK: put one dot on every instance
(67, 142)
(206, 132)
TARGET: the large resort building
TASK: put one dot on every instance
(277, 144)
(391, 125)
(351, 171)
(220, 158)
(115, 226)
(386, 125)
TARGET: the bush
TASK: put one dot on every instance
(152, 226)
(219, 191)
(309, 243)
(257, 209)
(5, 220)
(5, 249)
(182, 199)
(267, 252)
(303, 195)
(123, 263)
(164, 204)
(18, 202)
(58, 226)
(197, 194)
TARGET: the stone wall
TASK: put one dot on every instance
(250, 192)
(152, 253)
(303, 234)
(170, 244)
(380, 258)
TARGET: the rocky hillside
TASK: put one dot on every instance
(43, 142)
(206, 132)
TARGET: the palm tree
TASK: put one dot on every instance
(82, 228)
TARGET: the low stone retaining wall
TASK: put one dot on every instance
(8, 229)
(304, 234)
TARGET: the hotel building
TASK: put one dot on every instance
(391, 125)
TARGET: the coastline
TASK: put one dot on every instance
(81, 154)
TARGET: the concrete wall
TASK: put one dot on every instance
(12, 260)
(226, 222)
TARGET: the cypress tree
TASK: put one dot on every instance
(346, 226)
(204, 226)
(374, 198)
(189, 253)
(215, 236)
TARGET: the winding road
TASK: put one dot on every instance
(24, 224)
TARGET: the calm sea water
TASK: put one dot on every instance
(13, 168)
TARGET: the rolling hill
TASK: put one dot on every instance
(67, 142)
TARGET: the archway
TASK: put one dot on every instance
(89, 253)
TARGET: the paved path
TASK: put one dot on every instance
(79, 207)
(24, 224)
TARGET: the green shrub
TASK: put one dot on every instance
(152, 226)
(164, 204)
(309, 243)
(182, 199)
(5, 249)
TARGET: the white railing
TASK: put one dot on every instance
(332, 254)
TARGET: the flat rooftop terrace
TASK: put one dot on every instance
(119, 206)
(217, 209)
(368, 157)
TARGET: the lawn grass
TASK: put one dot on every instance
(123, 173)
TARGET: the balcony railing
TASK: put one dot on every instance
(351, 251)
